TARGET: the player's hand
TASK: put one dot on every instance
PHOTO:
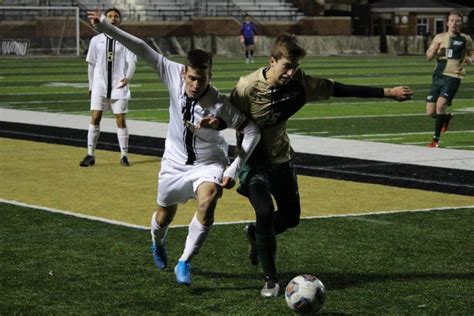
(208, 122)
(227, 183)
(241, 39)
(467, 60)
(401, 93)
(94, 17)
(123, 83)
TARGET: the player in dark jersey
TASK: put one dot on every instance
(270, 96)
(247, 38)
(451, 49)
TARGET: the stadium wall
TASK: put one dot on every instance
(319, 35)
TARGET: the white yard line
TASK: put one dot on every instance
(120, 223)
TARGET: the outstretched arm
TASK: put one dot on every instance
(250, 140)
(400, 93)
(134, 44)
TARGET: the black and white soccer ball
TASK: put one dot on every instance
(305, 294)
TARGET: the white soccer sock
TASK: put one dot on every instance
(92, 138)
(197, 234)
(158, 233)
(122, 135)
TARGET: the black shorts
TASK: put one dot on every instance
(281, 179)
(443, 86)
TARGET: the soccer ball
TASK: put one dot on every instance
(305, 293)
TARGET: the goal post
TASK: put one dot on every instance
(35, 30)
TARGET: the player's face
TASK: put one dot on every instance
(113, 17)
(282, 70)
(454, 23)
(196, 81)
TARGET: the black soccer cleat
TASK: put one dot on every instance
(124, 161)
(87, 161)
(250, 233)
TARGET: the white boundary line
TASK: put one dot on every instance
(119, 223)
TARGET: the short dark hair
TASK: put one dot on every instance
(197, 58)
(287, 46)
(114, 9)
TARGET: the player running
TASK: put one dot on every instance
(452, 50)
(270, 96)
(195, 154)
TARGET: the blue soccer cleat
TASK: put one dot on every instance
(160, 256)
(183, 272)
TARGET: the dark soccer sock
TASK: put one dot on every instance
(246, 54)
(251, 53)
(266, 249)
(440, 119)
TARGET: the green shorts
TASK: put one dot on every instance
(443, 86)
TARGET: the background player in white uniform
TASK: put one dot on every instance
(195, 153)
(110, 68)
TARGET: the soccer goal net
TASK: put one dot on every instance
(38, 30)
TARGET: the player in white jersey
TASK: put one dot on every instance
(110, 68)
(195, 154)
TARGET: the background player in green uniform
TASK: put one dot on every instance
(452, 50)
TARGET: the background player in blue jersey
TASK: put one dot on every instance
(248, 37)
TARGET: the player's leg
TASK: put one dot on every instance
(173, 188)
(93, 133)
(160, 222)
(207, 192)
(448, 92)
(207, 195)
(285, 191)
(120, 109)
(431, 101)
(441, 116)
(261, 200)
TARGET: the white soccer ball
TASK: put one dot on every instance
(305, 293)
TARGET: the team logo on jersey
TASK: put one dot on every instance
(458, 43)
(110, 56)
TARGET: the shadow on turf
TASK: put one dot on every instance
(332, 281)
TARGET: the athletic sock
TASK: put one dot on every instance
(440, 119)
(92, 138)
(197, 234)
(158, 233)
(122, 135)
(266, 249)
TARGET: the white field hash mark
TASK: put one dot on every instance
(125, 224)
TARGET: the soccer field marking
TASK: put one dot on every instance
(363, 116)
(398, 134)
(125, 224)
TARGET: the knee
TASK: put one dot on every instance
(121, 122)
(206, 206)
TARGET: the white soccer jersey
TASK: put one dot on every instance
(111, 61)
(186, 145)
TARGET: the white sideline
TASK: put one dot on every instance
(393, 153)
(125, 224)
